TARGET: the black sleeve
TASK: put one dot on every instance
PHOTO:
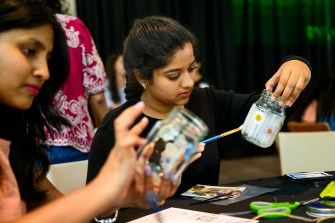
(104, 140)
(102, 144)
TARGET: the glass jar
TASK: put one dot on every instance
(175, 141)
(264, 120)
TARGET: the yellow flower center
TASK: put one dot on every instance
(258, 117)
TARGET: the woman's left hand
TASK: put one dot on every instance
(291, 79)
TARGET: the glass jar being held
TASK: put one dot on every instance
(175, 141)
(264, 120)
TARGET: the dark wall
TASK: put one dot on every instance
(242, 42)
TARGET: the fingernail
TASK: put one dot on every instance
(151, 197)
(145, 141)
(281, 103)
(144, 118)
(175, 181)
(167, 175)
(273, 98)
(147, 170)
(139, 104)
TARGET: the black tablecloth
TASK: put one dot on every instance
(289, 192)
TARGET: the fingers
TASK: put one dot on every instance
(201, 148)
(127, 117)
(124, 136)
(291, 79)
(272, 82)
(146, 152)
(168, 187)
(195, 157)
(139, 127)
(165, 187)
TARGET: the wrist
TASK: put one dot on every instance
(294, 57)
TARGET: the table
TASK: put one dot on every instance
(289, 191)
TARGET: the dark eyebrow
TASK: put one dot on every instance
(177, 69)
(171, 71)
(37, 43)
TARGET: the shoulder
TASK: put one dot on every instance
(113, 114)
(73, 24)
(202, 92)
(210, 94)
(69, 19)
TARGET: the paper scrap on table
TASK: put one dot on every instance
(250, 192)
(206, 191)
(178, 215)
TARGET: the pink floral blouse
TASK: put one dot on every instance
(11, 205)
(87, 77)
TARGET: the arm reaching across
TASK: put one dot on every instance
(105, 193)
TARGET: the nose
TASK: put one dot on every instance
(187, 80)
(41, 70)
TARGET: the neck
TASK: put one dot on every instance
(154, 108)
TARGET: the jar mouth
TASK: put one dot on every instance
(268, 94)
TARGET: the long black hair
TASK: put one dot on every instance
(58, 6)
(25, 129)
(150, 45)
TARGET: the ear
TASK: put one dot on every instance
(139, 77)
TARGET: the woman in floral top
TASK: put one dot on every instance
(84, 89)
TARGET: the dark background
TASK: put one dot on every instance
(242, 42)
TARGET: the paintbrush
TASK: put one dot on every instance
(222, 135)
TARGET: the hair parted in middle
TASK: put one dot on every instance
(150, 45)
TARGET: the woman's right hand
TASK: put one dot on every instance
(117, 175)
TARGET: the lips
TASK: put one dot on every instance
(185, 94)
(34, 89)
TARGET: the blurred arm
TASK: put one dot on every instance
(98, 107)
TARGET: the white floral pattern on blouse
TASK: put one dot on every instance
(87, 77)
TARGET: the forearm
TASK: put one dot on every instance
(79, 206)
(98, 107)
(51, 194)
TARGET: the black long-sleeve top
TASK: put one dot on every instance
(220, 110)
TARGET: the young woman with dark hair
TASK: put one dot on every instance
(34, 64)
(160, 71)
